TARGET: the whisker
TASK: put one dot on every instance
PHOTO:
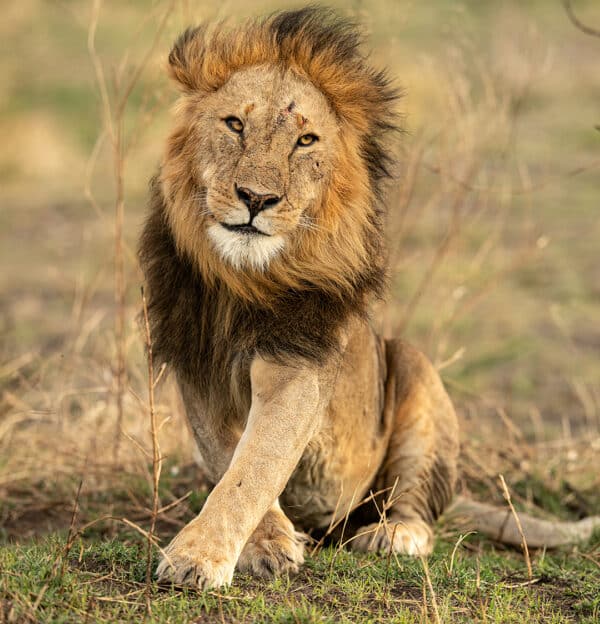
(308, 224)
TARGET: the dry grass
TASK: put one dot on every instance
(469, 247)
(113, 114)
(513, 511)
(454, 247)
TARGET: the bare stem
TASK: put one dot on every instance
(119, 278)
(588, 30)
(113, 112)
(434, 604)
(156, 455)
(519, 527)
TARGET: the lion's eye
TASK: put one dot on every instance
(235, 124)
(307, 139)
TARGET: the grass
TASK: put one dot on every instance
(103, 581)
(509, 314)
(97, 572)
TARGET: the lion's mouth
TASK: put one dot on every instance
(243, 228)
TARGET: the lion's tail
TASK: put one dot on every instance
(499, 524)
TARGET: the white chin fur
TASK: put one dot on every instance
(243, 250)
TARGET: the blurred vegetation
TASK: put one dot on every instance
(523, 62)
(494, 228)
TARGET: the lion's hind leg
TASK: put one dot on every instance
(419, 471)
(275, 547)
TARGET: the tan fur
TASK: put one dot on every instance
(303, 442)
(274, 548)
(210, 69)
(334, 251)
(299, 409)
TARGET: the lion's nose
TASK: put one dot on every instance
(256, 202)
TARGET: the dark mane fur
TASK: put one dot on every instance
(200, 330)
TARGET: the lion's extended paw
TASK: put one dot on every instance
(186, 564)
(410, 537)
(274, 548)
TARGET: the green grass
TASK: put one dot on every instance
(104, 581)
(530, 343)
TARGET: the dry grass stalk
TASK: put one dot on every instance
(588, 30)
(459, 541)
(114, 127)
(156, 456)
(382, 522)
(389, 555)
(335, 523)
(220, 605)
(434, 604)
(519, 527)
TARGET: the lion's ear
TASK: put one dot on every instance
(186, 57)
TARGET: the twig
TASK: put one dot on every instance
(517, 192)
(161, 371)
(156, 455)
(141, 66)
(113, 111)
(434, 604)
(220, 605)
(10, 368)
(389, 555)
(459, 541)
(334, 524)
(532, 581)
(174, 504)
(519, 527)
(577, 22)
(99, 69)
(114, 122)
(72, 534)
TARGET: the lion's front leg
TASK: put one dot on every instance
(285, 411)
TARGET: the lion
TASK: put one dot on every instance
(263, 251)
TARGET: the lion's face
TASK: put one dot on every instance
(267, 137)
(272, 177)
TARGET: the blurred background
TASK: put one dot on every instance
(494, 233)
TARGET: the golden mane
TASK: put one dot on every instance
(347, 246)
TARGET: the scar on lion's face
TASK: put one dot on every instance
(265, 178)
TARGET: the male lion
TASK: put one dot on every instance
(262, 252)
